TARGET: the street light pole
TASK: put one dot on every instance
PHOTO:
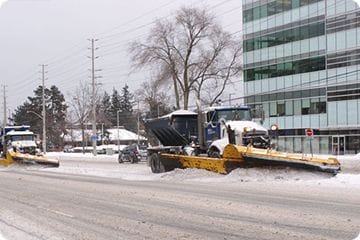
(43, 109)
(5, 122)
(102, 133)
(93, 137)
(230, 98)
(138, 122)
(118, 135)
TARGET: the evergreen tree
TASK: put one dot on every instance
(30, 113)
(56, 114)
(115, 106)
(127, 99)
(24, 115)
(103, 110)
(129, 119)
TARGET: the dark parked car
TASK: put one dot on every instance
(133, 153)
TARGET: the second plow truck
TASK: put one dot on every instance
(18, 146)
(221, 139)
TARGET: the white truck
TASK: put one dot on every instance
(20, 139)
(231, 123)
(19, 146)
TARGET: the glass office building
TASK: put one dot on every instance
(302, 68)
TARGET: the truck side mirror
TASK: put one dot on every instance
(222, 121)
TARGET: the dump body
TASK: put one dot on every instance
(175, 129)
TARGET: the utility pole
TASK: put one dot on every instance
(117, 126)
(138, 122)
(43, 108)
(93, 101)
(5, 121)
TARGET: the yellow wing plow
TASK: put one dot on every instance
(25, 158)
(235, 156)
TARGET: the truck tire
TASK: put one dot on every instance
(214, 153)
(132, 158)
(121, 158)
(155, 163)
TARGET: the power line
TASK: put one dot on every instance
(65, 56)
(154, 21)
(136, 18)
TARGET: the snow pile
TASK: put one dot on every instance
(107, 166)
(350, 163)
(1, 3)
(358, 237)
(243, 175)
(100, 165)
(1, 237)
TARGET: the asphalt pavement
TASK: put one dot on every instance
(49, 205)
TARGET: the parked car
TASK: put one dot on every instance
(133, 153)
(68, 149)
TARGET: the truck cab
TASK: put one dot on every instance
(19, 138)
(215, 117)
(234, 123)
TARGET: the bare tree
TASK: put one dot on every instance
(192, 51)
(81, 107)
(155, 98)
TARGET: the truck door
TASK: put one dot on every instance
(212, 128)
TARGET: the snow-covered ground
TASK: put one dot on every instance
(103, 166)
(107, 166)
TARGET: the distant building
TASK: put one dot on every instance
(115, 136)
(301, 66)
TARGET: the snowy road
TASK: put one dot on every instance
(96, 198)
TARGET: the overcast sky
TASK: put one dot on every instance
(55, 32)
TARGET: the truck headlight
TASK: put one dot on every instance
(247, 129)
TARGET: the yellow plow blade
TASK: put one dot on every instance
(218, 165)
(268, 157)
(12, 157)
(235, 156)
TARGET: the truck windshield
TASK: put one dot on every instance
(234, 114)
(22, 138)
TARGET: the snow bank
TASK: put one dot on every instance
(295, 176)
(1, 3)
(1, 237)
(107, 166)
(358, 237)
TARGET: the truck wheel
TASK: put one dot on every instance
(120, 158)
(213, 153)
(133, 159)
(155, 163)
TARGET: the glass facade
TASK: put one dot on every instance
(286, 68)
(302, 68)
(286, 36)
(272, 8)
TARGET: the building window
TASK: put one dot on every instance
(289, 109)
(314, 106)
(273, 110)
(282, 37)
(305, 106)
(280, 109)
(274, 7)
(283, 69)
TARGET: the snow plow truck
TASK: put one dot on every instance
(18, 145)
(221, 139)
